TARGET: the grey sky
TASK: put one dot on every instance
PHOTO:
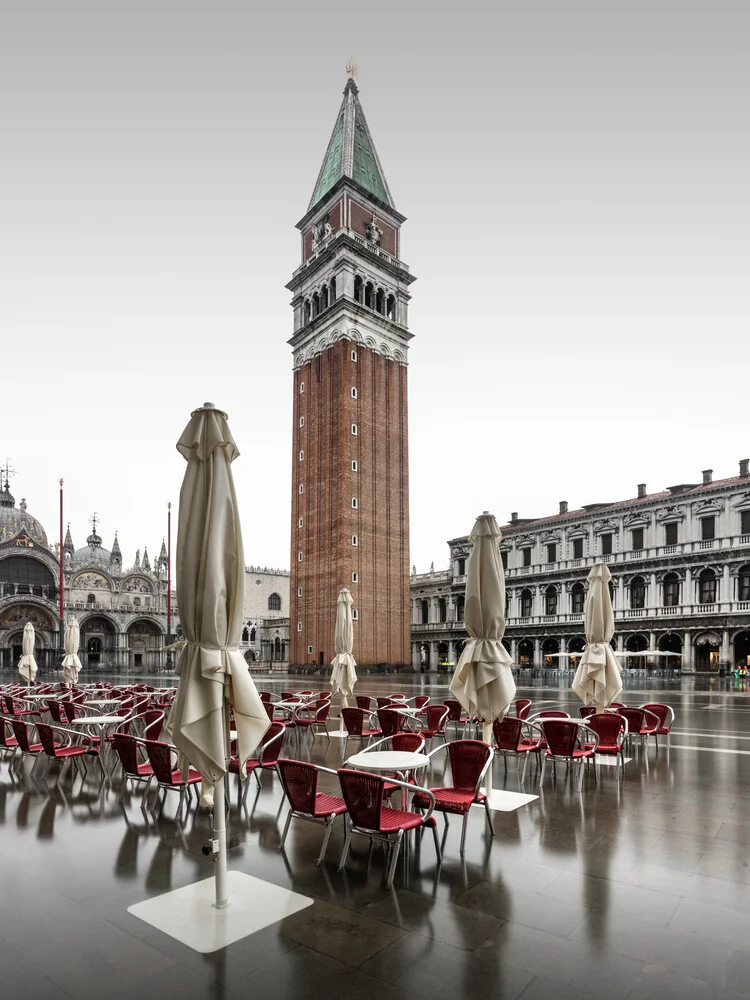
(575, 181)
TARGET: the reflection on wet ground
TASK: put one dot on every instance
(631, 889)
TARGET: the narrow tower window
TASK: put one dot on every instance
(299, 557)
(354, 358)
(355, 540)
(299, 523)
(355, 577)
(301, 488)
(355, 616)
(302, 456)
(354, 429)
(354, 503)
(302, 387)
(354, 393)
(299, 591)
(299, 626)
(302, 421)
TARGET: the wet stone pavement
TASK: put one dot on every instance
(639, 888)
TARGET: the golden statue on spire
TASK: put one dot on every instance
(352, 70)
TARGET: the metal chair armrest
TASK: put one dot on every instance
(420, 789)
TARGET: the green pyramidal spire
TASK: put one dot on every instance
(351, 153)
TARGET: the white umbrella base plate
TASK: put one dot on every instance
(337, 734)
(506, 802)
(189, 914)
(611, 761)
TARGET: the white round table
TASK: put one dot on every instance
(400, 762)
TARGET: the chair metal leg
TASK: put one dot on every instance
(463, 834)
(324, 846)
(488, 812)
(347, 842)
(286, 830)
(541, 775)
(438, 852)
(394, 858)
(523, 770)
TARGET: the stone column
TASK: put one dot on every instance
(416, 662)
(724, 656)
(652, 641)
(433, 656)
(687, 653)
(537, 653)
(725, 592)
(653, 593)
(514, 649)
(452, 654)
(620, 643)
(688, 597)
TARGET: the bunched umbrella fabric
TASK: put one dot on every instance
(71, 664)
(210, 577)
(483, 682)
(597, 680)
(343, 675)
(27, 664)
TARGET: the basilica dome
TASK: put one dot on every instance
(92, 555)
(14, 520)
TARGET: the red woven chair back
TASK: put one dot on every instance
(407, 742)
(586, 710)
(70, 710)
(55, 710)
(4, 734)
(265, 696)
(389, 721)
(561, 736)
(467, 758)
(607, 727)
(454, 710)
(354, 719)
(363, 701)
(269, 709)
(126, 748)
(286, 695)
(300, 781)
(363, 794)
(22, 734)
(322, 710)
(523, 707)
(634, 718)
(383, 702)
(160, 757)
(553, 713)
(46, 738)
(659, 710)
(8, 702)
(436, 717)
(507, 733)
(154, 722)
(421, 700)
(270, 754)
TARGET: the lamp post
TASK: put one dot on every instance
(169, 585)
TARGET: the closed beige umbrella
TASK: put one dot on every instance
(27, 664)
(483, 681)
(210, 591)
(343, 675)
(71, 664)
(597, 680)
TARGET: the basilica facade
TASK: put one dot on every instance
(680, 564)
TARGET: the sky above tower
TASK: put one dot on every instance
(574, 178)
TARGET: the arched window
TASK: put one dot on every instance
(324, 297)
(369, 291)
(425, 612)
(577, 598)
(136, 602)
(333, 290)
(252, 634)
(460, 609)
(245, 635)
(274, 602)
(91, 599)
(743, 583)
(637, 592)
(390, 307)
(526, 602)
(357, 288)
(307, 311)
(550, 601)
(707, 587)
(315, 304)
(380, 301)
(442, 610)
(671, 586)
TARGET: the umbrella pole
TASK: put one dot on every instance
(487, 737)
(220, 827)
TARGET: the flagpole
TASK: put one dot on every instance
(169, 583)
(62, 578)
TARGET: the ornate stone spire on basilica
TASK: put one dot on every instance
(68, 546)
(115, 557)
(351, 153)
(161, 562)
(146, 562)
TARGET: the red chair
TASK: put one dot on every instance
(364, 701)
(421, 701)
(15, 707)
(354, 722)
(8, 743)
(469, 761)
(363, 794)
(586, 710)
(58, 744)
(456, 716)
(610, 729)
(390, 721)
(23, 739)
(300, 783)
(665, 715)
(163, 759)
(314, 717)
(270, 748)
(510, 742)
(265, 696)
(565, 741)
(523, 707)
(128, 749)
(435, 719)
(641, 724)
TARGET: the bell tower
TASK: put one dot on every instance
(350, 462)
